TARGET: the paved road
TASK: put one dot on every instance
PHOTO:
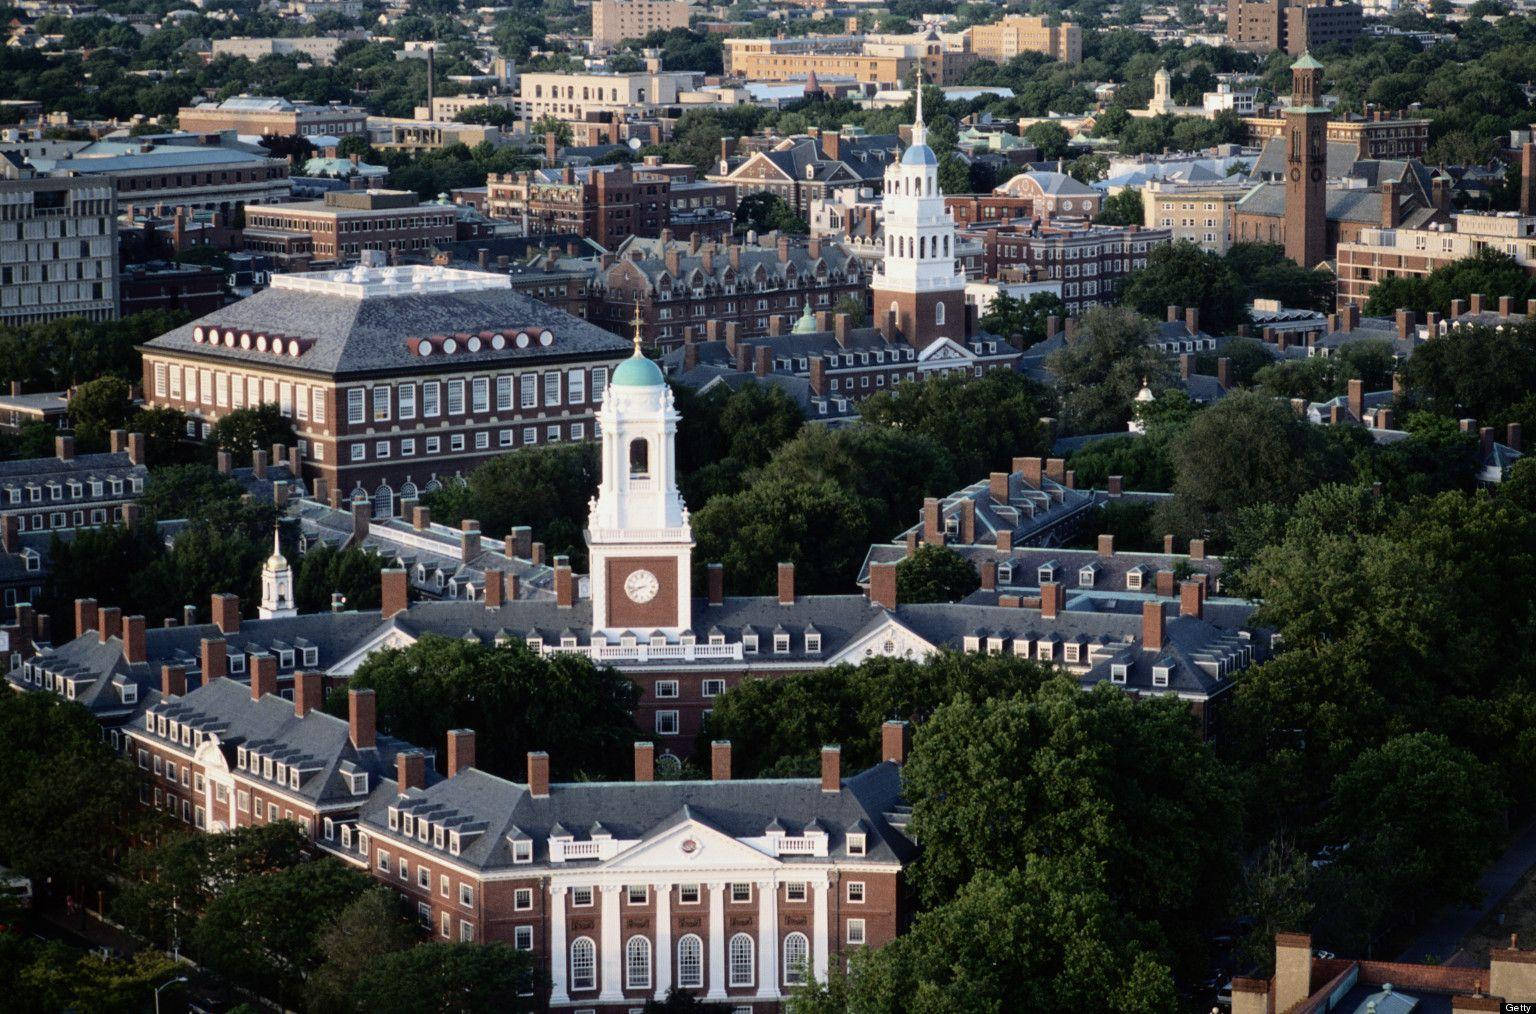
(1443, 936)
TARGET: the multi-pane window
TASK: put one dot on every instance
(741, 960)
(317, 410)
(583, 964)
(406, 396)
(528, 390)
(455, 397)
(796, 954)
(504, 393)
(637, 963)
(690, 962)
(381, 404)
(575, 386)
(430, 405)
(355, 405)
(480, 394)
(552, 388)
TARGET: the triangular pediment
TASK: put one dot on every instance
(690, 844)
(888, 639)
(760, 166)
(944, 349)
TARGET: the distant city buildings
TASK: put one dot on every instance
(1200, 213)
(1002, 40)
(273, 117)
(613, 21)
(885, 61)
(573, 96)
(58, 245)
(318, 48)
(338, 228)
(1294, 26)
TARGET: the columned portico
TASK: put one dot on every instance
(663, 894)
(767, 940)
(716, 941)
(819, 928)
(613, 947)
(559, 951)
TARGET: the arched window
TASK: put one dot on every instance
(359, 494)
(639, 457)
(938, 313)
(922, 246)
(690, 962)
(796, 956)
(409, 491)
(384, 501)
(637, 963)
(742, 958)
(946, 246)
(434, 486)
(583, 963)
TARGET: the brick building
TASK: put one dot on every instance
(1088, 260)
(344, 223)
(396, 379)
(886, 61)
(1053, 194)
(613, 21)
(1295, 26)
(273, 117)
(1379, 135)
(678, 283)
(803, 169)
(1001, 41)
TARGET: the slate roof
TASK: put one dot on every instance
(354, 334)
(1030, 511)
(1024, 563)
(108, 464)
(317, 744)
(648, 255)
(637, 811)
(1344, 204)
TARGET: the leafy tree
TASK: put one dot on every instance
(1276, 893)
(1048, 136)
(1269, 274)
(1488, 272)
(450, 979)
(61, 978)
(563, 704)
(1154, 831)
(1481, 372)
(325, 570)
(1182, 274)
(853, 306)
(983, 422)
(504, 116)
(263, 933)
(98, 407)
(1102, 369)
(547, 488)
(546, 125)
(954, 174)
(374, 924)
(245, 430)
(1022, 321)
(1124, 208)
(724, 434)
(65, 795)
(165, 431)
(1245, 358)
(764, 211)
(178, 491)
(935, 574)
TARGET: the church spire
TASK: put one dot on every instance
(919, 132)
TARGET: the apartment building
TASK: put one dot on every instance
(319, 49)
(58, 245)
(613, 21)
(1005, 39)
(1382, 134)
(888, 64)
(396, 378)
(273, 117)
(341, 226)
(1376, 254)
(1202, 213)
(1295, 26)
(1089, 260)
(577, 96)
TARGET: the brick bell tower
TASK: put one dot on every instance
(919, 287)
(1306, 166)
(638, 536)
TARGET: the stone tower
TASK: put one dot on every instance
(1306, 165)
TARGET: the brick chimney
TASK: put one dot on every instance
(997, 487)
(720, 760)
(1485, 440)
(743, 354)
(1052, 598)
(308, 692)
(421, 518)
(1475, 301)
(1174, 313)
(840, 325)
(714, 575)
(987, 571)
(1056, 469)
(64, 448)
(1186, 365)
(1192, 320)
(362, 727)
(394, 592)
(1224, 372)
(493, 589)
(933, 522)
(109, 621)
(565, 584)
(1115, 485)
(645, 762)
(1390, 212)
(263, 670)
(1151, 626)
(818, 378)
(1293, 969)
(831, 769)
(538, 774)
(1407, 322)
(520, 542)
(1191, 601)
(10, 533)
(786, 584)
(136, 455)
(764, 363)
(259, 464)
(134, 649)
(967, 521)
(173, 680)
(895, 741)
(1106, 544)
(226, 612)
(362, 514)
(1512, 436)
(882, 585)
(410, 770)
(1196, 549)
(461, 750)
(1356, 398)
(469, 540)
(117, 441)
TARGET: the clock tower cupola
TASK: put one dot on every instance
(639, 540)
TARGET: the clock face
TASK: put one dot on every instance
(641, 586)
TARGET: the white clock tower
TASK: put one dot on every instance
(277, 584)
(639, 540)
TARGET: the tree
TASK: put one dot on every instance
(1421, 819)
(1269, 274)
(546, 125)
(935, 574)
(504, 116)
(983, 422)
(763, 211)
(449, 979)
(1245, 358)
(1246, 449)
(373, 925)
(954, 174)
(853, 306)
(1276, 893)
(725, 433)
(1182, 274)
(1481, 372)
(245, 430)
(1050, 137)
(263, 933)
(66, 797)
(1104, 367)
(325, 570)
(355, 144)
(1064, 793)
(98, 407)
(1124, 208)
(165, 431)
(1022, 322)
(563, 704)
(179, 491)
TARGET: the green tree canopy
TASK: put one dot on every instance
(98, 407)
(449, 979)
(245, 430)
(1124, 208)
(982, 422)
(373, 925)
(325, 570)
(1182, 274)
(935, 574)
(1100, 371)
(1022, 321)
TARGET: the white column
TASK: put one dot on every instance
(767, 940)
(716, 941)
(613, 946)
(663, 939)
(819, 929)
(559, 956)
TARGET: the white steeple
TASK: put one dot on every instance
(277, 583)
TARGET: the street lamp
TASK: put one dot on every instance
(179, 978)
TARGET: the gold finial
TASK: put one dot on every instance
(638, 322)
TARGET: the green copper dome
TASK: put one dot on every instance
(638, 371)
(807, 322)
(1307, 62)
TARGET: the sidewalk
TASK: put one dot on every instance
(1443, 937)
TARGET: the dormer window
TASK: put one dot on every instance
(237, 662)
(1160, 674)
(749, 643)
(293, 778)
(359, 783)
(856, 844)
(394, 819)
(780, 644)
(437, 836)
(1047, 572)
(311, 656)
(407, 823)
(812, 644)
(522, 851)
(285, 658)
